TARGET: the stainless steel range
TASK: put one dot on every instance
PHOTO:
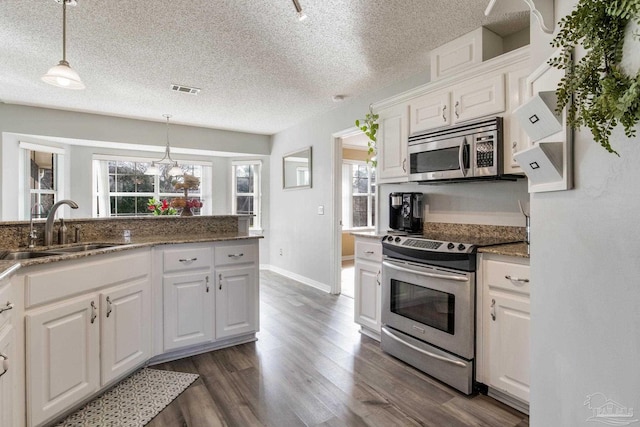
(428, 305)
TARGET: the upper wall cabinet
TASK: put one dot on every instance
(392, 144)
(479, 97)
(464, 52)
(430, 111)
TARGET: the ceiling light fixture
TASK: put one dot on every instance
(175, 169)
(62, 75)
(301, 15)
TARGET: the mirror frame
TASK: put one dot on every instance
(298, 153)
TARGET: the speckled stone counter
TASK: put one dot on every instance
(144, 232)
(511, 249)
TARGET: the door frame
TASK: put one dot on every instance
(336, 207)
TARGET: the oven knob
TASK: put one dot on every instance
(398, 239)
(390, 238)
(461, 247)
(451, 246)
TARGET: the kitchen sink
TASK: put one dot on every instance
(84, 248)
(25, 255)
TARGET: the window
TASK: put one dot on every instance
(122, 188)
(42, 178)
(246, 191)
(358, 195)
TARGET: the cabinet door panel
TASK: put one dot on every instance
(510, 361)
(430, 111)
(515, 138)
(62, 356)
(478, 98)
(392, 144)
(187, 310)
(126, 328)
(368, 295)
(7, 376)
(236, 301)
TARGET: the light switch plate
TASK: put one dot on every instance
(320, 210)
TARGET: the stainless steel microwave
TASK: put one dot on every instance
(472, 150)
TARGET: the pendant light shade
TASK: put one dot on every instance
(62, 75)
(175, 169)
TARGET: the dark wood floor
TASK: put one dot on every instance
(310, 366)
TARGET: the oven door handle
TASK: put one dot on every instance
(422, 273)
(425, 352)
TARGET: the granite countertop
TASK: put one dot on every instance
(371, 233)
(9, 267)
(510, 249)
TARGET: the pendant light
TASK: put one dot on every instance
(301, 15)
(175, 169)
(62, 75)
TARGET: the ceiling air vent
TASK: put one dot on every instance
(185, 89)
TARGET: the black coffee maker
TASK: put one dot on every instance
(405, 212)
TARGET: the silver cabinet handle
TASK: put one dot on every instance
(108, 306)
(493, 310)
(93, 312)
(235, 255)
(369, 252)
(516, 279)
(444, 117)
(404, 165)
(378, 278)
(456, 109)
(207, 283)
(186, 260)
(7, 307)
(5, 364)
(220, 281)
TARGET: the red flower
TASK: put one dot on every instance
(165, 205)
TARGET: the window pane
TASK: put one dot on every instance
(359, 216)
(360, 179)
(46, 200)
(244, 178)
(373, 210)
(42, 170)
(126, 183)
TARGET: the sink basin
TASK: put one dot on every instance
(84, 248)
(25, 255)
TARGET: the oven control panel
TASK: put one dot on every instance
(424, 244)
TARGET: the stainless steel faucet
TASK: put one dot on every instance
(48, 227)
(33, 234)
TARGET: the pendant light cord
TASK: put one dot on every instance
(64, 30)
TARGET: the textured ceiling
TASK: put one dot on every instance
(260, 69)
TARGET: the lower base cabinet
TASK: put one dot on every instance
(236, 301)
(7, 375)
(505, 323)
(368, 292)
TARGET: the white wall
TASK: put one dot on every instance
(585, 293)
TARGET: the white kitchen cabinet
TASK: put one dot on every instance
(368, 293)
(479, 97)
(188, 309)
(430, 111)
(505, 324)
(237, 301)
(236, 306)
(392, 144)
(8, 365)
(515, 138)
(125, 325)
(63, 356)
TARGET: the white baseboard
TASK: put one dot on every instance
(302, 279)
(348, 258)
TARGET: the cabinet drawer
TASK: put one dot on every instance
(181, 259)
(371, 251)
(235, 254)
(497, 274)
(6, 300)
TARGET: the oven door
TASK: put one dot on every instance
(444, 159)
(434, 305)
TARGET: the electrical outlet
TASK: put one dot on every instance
(321, 210)
(126, 235)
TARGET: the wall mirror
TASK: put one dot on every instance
(296, 169)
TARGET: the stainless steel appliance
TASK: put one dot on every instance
(405, 212)
(428, 306)
(472, 150)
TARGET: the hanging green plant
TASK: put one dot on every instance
(370, 127)
(598, 92)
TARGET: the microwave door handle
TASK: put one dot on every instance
(423, 273)
(461, 157)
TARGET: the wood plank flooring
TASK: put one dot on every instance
(311, 367)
